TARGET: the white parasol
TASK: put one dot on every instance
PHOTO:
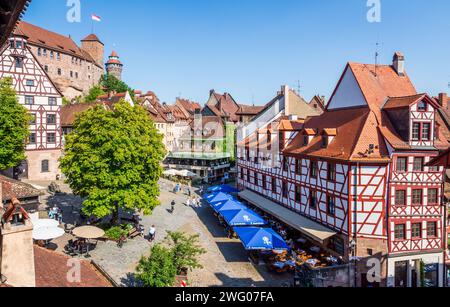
(45, 223)
(47, 233)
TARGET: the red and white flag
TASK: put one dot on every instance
(96, 18)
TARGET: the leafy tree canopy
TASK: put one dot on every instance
(94, 93)
(113, 159)
(158, 270)
(110, 83)
(14, 124)
(186, 251)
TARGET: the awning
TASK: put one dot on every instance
(306, 226)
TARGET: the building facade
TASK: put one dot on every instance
(37, 92)
(73, 69)
(357, 176)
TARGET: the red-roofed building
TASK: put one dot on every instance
(222, 105)
(43, 100)
(355, 180)
(74, 69)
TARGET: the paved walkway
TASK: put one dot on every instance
(225, 263)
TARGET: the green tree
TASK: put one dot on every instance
(111, 84)
(185, 251)
(158, 270)
(94, 93)
(14, 124)
(113, 159)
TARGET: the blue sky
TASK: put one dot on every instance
(249, 48)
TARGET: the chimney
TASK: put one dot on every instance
(443, 100)
(399, 63)
(287, 105)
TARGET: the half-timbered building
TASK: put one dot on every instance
(43, 100)
(356, 179)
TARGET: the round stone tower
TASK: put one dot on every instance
(114, 66)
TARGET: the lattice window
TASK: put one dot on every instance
(417, 197)
(402, 164)
(416, 231)
(418, 164)
(274, 185)
(313, 200)
(433, 197)
(331, 172)
(331, 206)
(45, 166)
(400, 232)
(426, 132)
(298, 194)
(314, 169)
(416, 132)
(432, 230)
(400, 198)
(298, 166)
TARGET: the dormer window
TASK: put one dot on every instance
(324, 141)
(19, 45)
(422, 106)
(305, 140)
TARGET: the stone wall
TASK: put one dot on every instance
(17, 256)
(35, 159)
(84, 74)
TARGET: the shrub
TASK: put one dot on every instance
(158, 270)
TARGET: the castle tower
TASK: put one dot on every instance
(114, 66)
(96, 49)
(16, 243)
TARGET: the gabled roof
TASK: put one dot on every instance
(224, 106)
(249, 110)
(16, 189)
(379, 82)
(407, 101)
(291, 125)
(45, 38)
(92, 38)
(354, 129)
(70, 112)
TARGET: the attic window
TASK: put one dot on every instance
(422, 106)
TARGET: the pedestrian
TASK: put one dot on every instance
(188, 202)
(189, 192)
(152, 233)
(172, 204)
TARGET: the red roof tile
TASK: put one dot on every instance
(45, 38)
(16, 189)
(92, 38)
(52, 270)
